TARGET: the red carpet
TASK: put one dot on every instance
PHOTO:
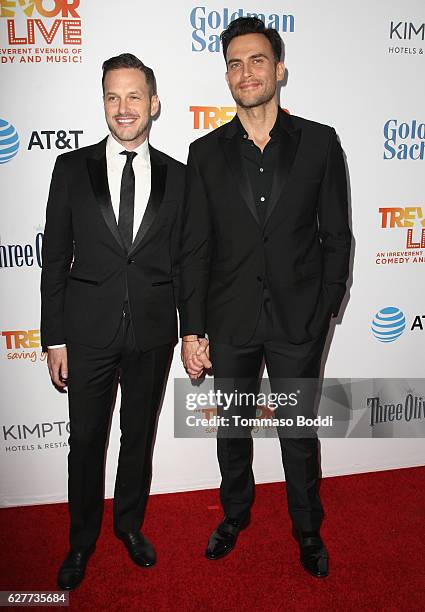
(374, 530)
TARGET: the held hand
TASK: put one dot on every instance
(57, 362)
(203, 353)
(195, 356)
(191, 362)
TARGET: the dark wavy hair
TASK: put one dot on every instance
(128, 60)
(251, 25)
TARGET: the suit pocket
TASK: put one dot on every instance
(81, 279)
(309, 269)
(89, 277)
(160, 283)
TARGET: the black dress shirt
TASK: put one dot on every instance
(260, 166)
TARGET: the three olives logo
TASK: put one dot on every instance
(388, 324)
(9, 141)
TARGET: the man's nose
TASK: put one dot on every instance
(247, 72)
(123, 106)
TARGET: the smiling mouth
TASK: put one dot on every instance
(250, 85)
(125, 121)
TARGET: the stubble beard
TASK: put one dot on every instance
(261, 99)
(127, 136)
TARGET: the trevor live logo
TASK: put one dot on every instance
(32, 26)
(20, 344)
(410, 218)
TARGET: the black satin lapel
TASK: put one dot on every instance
(99, 180)
(232, 150)
(158, 180)
(288, 146)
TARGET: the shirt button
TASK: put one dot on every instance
(261, 169)
(262, 199)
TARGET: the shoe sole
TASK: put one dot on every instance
(141, 565)
(68, 589)
(312, 573)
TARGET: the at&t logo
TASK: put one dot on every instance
(388, 324)
(9, 141)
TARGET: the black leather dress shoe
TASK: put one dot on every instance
(140, 550)
(223, 539)
(73, 569)
(313, 554)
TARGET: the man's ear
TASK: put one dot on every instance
(280, 71)
(154, 105)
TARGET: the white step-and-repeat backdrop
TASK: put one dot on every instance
(358, 66)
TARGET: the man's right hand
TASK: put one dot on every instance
(195, 355)
(57, 362)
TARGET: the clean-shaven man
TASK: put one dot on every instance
(265, 259)
(108, 305)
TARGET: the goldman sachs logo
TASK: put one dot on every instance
(208, 24)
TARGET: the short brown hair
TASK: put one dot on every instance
(251, 25)
(128, 60)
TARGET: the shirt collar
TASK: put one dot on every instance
(274, 132)
(114, 148)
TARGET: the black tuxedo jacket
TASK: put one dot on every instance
(300, 253)
(87, 271)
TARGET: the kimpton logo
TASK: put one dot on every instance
(403, 34)
(388, 324)
(9, 141)
(21, 437)
(407, 30)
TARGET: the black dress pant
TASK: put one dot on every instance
(237, 368)
(93, 375)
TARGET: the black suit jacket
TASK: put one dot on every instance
(301, 252)
(86, 269)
